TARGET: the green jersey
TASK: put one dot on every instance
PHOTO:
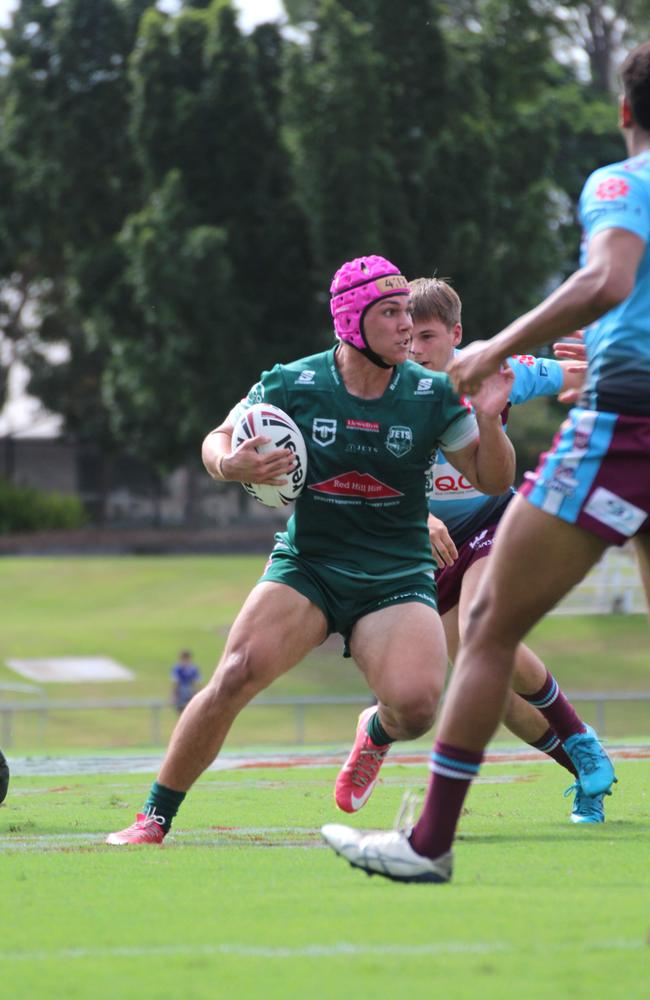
(363, 510)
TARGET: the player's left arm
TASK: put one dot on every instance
(488, 462)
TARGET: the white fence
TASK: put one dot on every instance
(613, 587)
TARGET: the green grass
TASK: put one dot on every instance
(245, 901)
(142, 610)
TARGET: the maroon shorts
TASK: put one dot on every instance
(449, 579)
(596, 475)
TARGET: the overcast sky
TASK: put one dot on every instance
(252, 11)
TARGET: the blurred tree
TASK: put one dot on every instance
(177, 194)
(336, 113)
(216, 266)
(64, 142)
(604, 31)
(168, 371)
(599, 33)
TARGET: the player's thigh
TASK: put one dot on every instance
(451, 626)
(535, 561)
(400, 650)
(275, 629)
(469, 588)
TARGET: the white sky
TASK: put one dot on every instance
(24, 415)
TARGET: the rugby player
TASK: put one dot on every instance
(462, 523)
(356, 557)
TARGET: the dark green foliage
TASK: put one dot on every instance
(25, 509)
(176, 195)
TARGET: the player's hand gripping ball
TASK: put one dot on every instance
(265, 420)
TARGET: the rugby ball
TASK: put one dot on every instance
(264, 420)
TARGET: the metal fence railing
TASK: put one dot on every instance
(300, 705)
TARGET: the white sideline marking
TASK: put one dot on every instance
(207, 837)
(342, 948)
(72, 669)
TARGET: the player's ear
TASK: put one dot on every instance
(458, 334)
(625, 119)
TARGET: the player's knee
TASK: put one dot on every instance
(239, 675)
(416, 717)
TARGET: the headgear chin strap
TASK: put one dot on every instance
(355, 287)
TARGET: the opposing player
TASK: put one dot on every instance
(590, 491)
(462, 524)
(356, 557)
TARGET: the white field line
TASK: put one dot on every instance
(209, 837)
(335, 950)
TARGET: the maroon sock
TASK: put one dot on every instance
(556, 709)
(551, 745)
(453, 772)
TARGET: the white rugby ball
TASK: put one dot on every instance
(264, 420)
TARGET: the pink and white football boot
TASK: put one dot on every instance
(358, 776)
(147, 829)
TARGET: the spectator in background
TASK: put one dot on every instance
(185, 679)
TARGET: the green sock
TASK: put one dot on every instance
(164, 802)
(376, 731)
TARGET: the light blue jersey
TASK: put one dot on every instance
(618, 344)
(460, 505)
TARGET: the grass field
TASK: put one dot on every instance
(244, 900)
(142, 610)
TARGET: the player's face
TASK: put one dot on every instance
(433, 343)
(387, 326)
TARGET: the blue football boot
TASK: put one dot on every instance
(586, 808)
(595, 769)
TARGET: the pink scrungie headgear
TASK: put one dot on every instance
(355, 286)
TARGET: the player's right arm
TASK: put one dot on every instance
(245, 464)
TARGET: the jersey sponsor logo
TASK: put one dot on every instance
(615, 512)
(424, 387)
(399, 440)
(562, 481)
(451, 484)
(583, 430)
(305, 378)
(480, 541)
(592, 215)
(256, 394)
(356, 484)
(323, 431)
(361, 449)
(362, 425)
(530, 361)
(612, 188)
